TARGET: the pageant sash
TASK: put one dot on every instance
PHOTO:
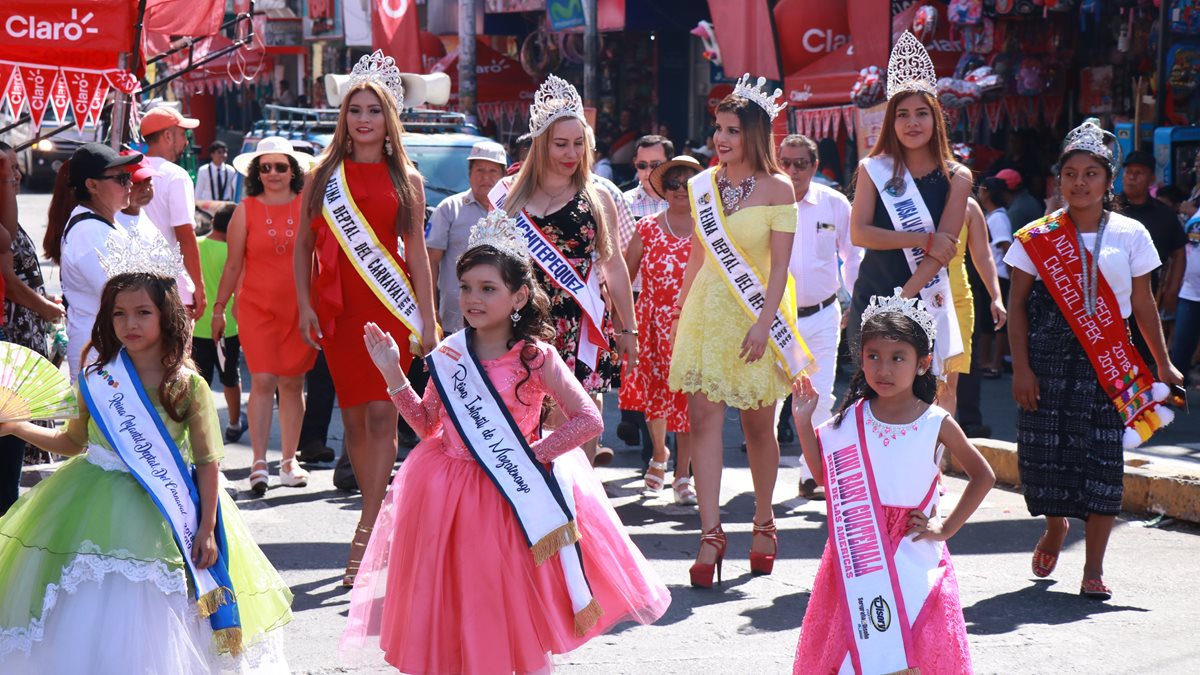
(543, 508)
(370, 258)
(744, 282)
(909, 213)
(585, 292)
(867, 571)
(1052, 245)
(119, 405)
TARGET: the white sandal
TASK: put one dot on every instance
(655, 483)
(259, 478)
(294, 477)
(684, 494)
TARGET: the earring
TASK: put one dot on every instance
(515, 316)
(387, 146)
(349, 145)
(921, 371)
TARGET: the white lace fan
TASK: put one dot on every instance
(31, 388)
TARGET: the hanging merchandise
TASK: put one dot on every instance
(1029, 80)
(1095, 90)
(965, 12)
(1185, 16)
(989, 83)
(994, 110)
(980, 39)
(924, 23)
(954, 94)
(868, 89)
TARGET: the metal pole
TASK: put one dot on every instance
(591, 49)
(466, 57)
(120, 109)
(1160, 93)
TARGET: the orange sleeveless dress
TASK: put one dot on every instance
(267, 312)
(343, 301)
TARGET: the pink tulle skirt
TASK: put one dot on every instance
(448, 584)
(939, 633)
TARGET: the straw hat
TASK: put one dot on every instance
(656, 176)
(272, 145)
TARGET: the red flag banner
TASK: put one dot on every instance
(193, 18)
(973, 118)
(60, 100)
(68, 33)
(123, 82)
(16, 94)
(1012, 106)
(81, 85)
(394, 30)
(38, 80)
(6, 75)
(96, 105)
(994, 111)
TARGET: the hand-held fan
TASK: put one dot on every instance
(31, 388)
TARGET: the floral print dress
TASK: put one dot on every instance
(573, 230)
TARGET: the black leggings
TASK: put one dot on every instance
(12, 458)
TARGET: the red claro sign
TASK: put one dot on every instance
(75, 33)
(815, 29)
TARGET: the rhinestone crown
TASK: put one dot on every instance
(913, 308)
(381, 70)
(500, 232)
(1091, 137)
(137, 254)
(554, 100)
(910, 68)
(759, 95)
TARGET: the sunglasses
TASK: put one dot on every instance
(642, 166)
(800, 164)
(278, 167)
(122, 178)
(671, 184)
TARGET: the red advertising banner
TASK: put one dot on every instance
(37, 81)
(16, 93)
(97, 103)
(81, 86)
(394, 30)
(60, 98)
(87, 34)
(6, 72)
(183, 17)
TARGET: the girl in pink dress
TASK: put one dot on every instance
(449, 583)
(887, 555)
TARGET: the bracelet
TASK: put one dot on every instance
(393, 391)
(929, 242)
(628, 332)
(219, 304)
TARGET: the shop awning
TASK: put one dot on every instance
(502, 86)
(821, 58)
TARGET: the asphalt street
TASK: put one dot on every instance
(751, 624)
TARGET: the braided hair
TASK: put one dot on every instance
(896, 327)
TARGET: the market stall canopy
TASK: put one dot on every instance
(502, 86)
(820, 55)
(745, 37)
(64, 54)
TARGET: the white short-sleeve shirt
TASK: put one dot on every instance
(174, 204)
(999, 231)
(1128, 252)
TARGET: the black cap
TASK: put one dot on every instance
(91, 160)
(1140, 157)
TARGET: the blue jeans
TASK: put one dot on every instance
(1187, 334)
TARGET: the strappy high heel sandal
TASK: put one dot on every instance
(358, 547)
(259, 478)
(702, 573)
(684, 494)
(295, 476)
(764, 563)
(655, 483)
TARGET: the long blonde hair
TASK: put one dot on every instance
(537, 163)
(338, 150)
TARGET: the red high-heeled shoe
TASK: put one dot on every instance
(763, 563)
(702, 573)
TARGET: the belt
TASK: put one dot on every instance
(813, 309)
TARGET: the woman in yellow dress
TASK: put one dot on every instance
(721, 356)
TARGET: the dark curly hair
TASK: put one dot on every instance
(254, 186)
(1110, 202)
(896, 327)
(535, 315)
(176, 336)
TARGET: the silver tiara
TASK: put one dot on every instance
(913, 308)
(554, 100)
(140, 254)
(910, 68)
(1090, 137)
(759, 95)
(381, 70)
(500, 232)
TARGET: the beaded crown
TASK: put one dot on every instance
(500, 232)
(381, 70)
(1090, 137)
(138, 254)
(554, 100)
(910, 68)
(912, 308)
(759, 95)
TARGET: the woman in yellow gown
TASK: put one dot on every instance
(721, 355)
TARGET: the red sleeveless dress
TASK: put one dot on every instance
(343, 301)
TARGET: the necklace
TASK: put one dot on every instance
(1091, 269)
(888, 432)
(289, 233)
(553, 196)
(667, 220)
(733, 195)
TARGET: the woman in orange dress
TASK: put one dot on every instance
(260, 238)
(367, 180)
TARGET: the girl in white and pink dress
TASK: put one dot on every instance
(886, 557)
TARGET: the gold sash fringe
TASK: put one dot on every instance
(587, 617)
(228, 640)
(558, 538)
(213, 600)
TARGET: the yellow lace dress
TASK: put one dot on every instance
(964, 304)
(713, 324)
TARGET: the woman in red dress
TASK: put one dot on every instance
(385, 195)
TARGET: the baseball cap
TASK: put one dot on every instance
(489, 151)
(1012, 179)
(91, 160)
(164, 117)
(141, 171)
(1140, 157)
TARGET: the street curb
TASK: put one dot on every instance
(1152, 484)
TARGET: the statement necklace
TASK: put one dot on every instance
(671, 230)
(1091, 268)
(732, 195)
(289, 233)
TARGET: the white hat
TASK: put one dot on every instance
(272, 145)
(432, 89)
(489, 151)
